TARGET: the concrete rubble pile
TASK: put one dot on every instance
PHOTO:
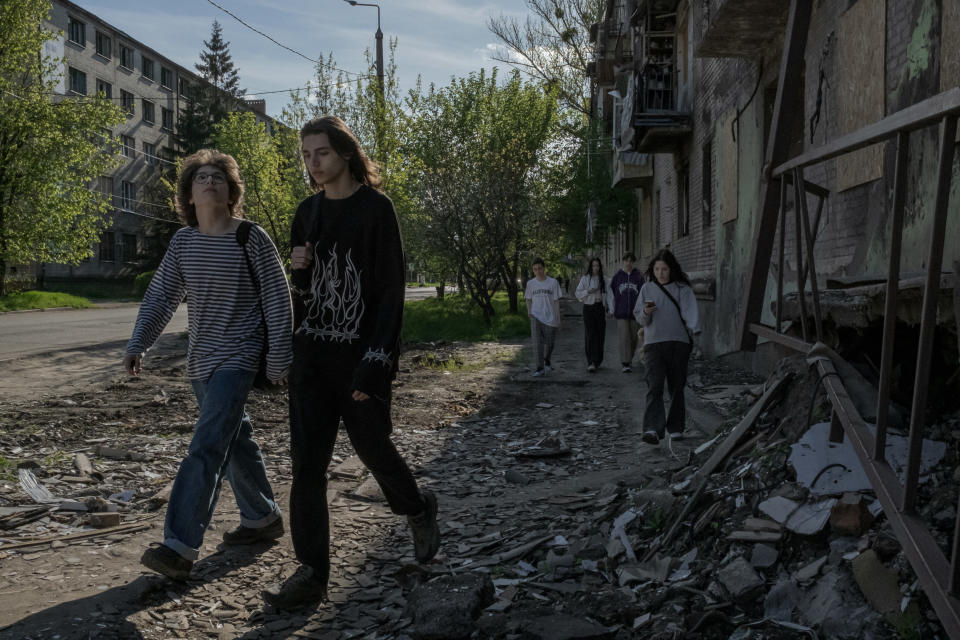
(552, 525)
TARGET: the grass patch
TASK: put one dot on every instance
(116, 290)
(457, 318)
(41, 300)
(8, 469)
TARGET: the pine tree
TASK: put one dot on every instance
(216, 64)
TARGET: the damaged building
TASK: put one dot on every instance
(799, 158)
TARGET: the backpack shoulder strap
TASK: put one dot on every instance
(243, 232)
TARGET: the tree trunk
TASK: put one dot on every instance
(3, 277)
(441, 289)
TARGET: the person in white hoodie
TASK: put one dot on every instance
(667, 309)
(595, 293)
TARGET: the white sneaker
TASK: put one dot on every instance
(591, 367)
(626, 369)
(650, 437)
(538, 373)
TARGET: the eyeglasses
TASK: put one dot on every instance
(215, 178)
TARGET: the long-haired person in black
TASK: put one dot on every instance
(667, 309)
(226, 314)
(347, 276)
(595, 293)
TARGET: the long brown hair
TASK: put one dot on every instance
(223, 161)
(362, 168)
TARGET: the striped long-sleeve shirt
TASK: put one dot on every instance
(223, 311)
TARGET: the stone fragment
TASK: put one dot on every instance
(764, 556)
(104, 519)
(369, 490)
(559, 626)
(877, 582)
(755, 536)
(739, 579)
(811, 570)
(656, 569)
(515, 477)
(850, 516)
(448, 606)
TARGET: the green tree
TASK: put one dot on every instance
(474, 155)
(216, 64)
(272, 192)
(51, 149)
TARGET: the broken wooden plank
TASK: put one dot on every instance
(721, 452)
(124, 528)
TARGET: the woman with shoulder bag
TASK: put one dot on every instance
(667, 311)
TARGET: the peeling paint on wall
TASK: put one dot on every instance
(919, 53)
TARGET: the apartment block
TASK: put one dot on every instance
(152, 89)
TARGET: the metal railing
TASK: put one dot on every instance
(939, 575)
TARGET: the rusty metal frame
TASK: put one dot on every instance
(938, 574)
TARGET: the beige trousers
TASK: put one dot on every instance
(627, 330)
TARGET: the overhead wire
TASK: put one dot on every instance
(280, 44)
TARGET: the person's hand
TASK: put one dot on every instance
(282, 379)
(649, 308)
(301, 257)
(133, 363)
(359, 396)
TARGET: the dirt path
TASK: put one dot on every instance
(461, 413)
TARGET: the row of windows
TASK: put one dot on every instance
(78, 85)
(109, 246)
(77, 33)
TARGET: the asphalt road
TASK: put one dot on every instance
(33, 332)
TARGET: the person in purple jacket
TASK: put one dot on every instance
(626, 285)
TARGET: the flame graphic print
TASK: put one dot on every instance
(335, 306)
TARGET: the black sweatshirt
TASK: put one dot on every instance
(348, 306)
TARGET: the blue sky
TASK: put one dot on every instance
(437, 39)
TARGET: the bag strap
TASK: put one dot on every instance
(243, 235)
(677, 305)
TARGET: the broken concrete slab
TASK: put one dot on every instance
(828, 468)
(778, 508)
(740, 580)
(656, 569)
(810, 570)
(447, 607)
(560, 626)
(810, 519)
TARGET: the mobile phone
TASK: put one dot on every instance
(649, 303)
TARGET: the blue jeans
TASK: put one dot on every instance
(222, 444)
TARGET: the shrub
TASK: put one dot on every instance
(142, 281)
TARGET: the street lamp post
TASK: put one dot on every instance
(379, 36)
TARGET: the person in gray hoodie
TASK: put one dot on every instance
(667, 309)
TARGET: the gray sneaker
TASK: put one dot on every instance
(166, 561)
(426, 532)
(301, 589)
(253, 535)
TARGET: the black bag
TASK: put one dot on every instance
(261, 381)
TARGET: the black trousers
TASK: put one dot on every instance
(594, 331)
(319, 398)
(666, 361)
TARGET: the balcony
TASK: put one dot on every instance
(660, 125)
(743, 28)
(632, 170)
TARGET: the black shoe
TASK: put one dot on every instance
(426, 533)
(650, 437)
(166, 561)
(252, 535)
(300, 589)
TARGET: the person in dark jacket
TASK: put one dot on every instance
(626, 285)
(347, 277)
